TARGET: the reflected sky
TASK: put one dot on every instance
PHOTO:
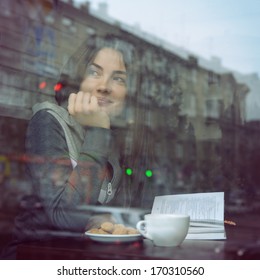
(226, 29)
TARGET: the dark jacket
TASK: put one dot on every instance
(65, 179)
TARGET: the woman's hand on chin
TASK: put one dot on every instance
(85, 109)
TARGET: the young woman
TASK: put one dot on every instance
(74, 158)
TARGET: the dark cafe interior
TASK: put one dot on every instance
(182, 126)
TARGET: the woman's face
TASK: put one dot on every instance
(106, 79)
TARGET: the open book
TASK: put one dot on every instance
(206, 211)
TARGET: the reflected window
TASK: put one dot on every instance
(179, 150)
(212, 108)
(49, 19)
(213, 78)
(191, 106)
(90, 31)
(69, 24)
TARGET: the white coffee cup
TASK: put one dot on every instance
(164, 229)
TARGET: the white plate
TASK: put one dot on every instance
(111, 238)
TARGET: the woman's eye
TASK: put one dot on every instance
(120, 80)
(92, 72)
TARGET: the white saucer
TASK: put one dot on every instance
(112, 238)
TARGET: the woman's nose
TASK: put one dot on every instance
(104, 86)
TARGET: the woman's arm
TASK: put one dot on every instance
(60, 187)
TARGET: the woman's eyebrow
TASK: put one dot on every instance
(96, 65)
(119, 72)
(115, 72)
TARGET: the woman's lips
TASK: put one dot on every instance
(103, 102)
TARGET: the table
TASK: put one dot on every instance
(243, 242)
(85, 249)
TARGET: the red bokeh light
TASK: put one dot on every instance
(58, 87)
(42, 85)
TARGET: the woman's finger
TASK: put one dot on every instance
(71, 103)
(94, 103)
(78, 102)
(86, 102)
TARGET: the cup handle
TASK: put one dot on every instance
(141, 227)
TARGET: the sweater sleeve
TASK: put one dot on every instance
(60, 187)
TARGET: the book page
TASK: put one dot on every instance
(206, 211)
(200, 206)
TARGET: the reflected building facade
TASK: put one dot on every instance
(194, 118)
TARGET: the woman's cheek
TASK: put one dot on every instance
(86, 86)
